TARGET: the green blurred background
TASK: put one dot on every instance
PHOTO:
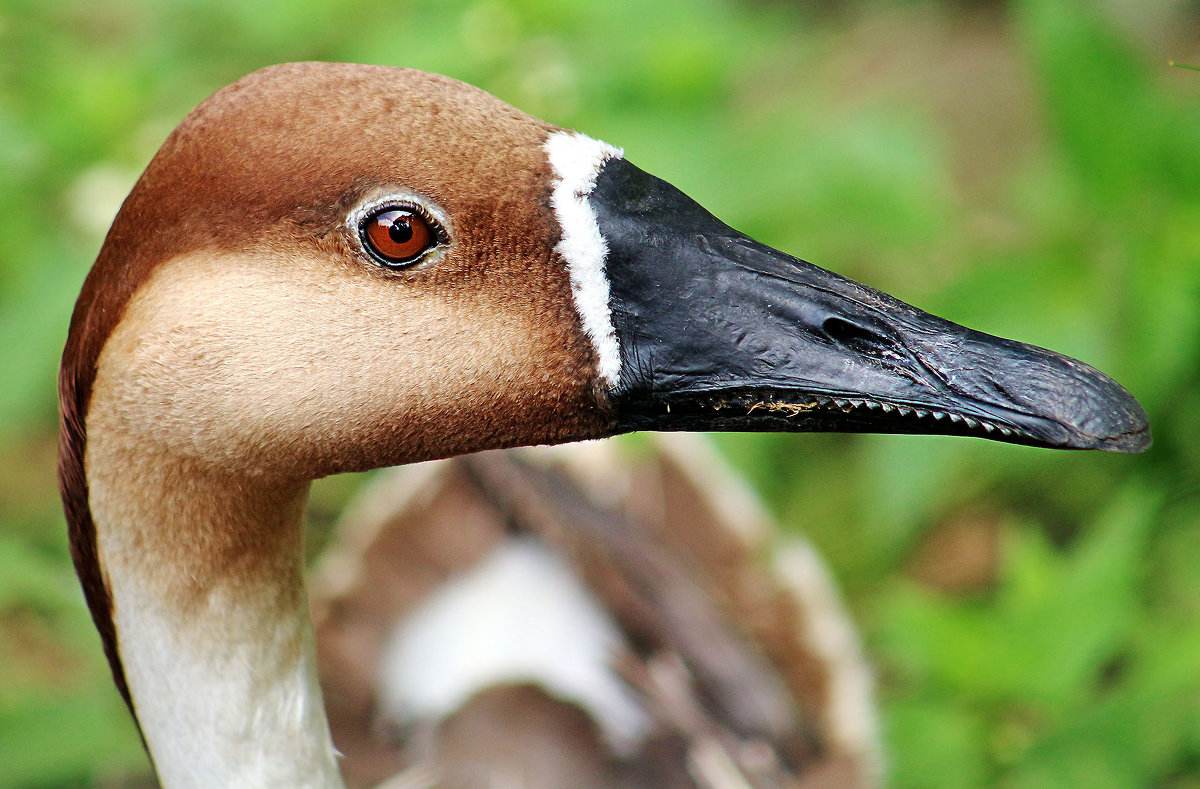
(1030, 168)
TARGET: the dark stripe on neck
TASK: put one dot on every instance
(75, 389)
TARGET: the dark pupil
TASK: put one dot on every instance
(401, 230)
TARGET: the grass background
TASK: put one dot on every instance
(1030, 168)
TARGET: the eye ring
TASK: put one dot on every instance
(399, 235)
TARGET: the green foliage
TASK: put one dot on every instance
(1058, 672)
(1029, 168)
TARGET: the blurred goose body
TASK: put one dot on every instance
(332, 267)
(586, 618)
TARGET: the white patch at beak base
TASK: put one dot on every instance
(577, 159)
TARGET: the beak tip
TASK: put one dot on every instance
(1091, 409)
(1122, 428)
(1132, 441)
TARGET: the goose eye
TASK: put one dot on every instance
(397, 236)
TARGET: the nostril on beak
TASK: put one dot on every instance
(857, 338)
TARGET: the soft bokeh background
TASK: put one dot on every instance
(1030, 168)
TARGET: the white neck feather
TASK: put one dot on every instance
(215, 638)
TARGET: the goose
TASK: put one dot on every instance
(331, 268)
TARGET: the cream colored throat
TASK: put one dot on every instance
(229, 383)
(199, 536)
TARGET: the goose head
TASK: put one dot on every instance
(333, 267)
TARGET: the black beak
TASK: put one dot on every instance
(719, 332)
